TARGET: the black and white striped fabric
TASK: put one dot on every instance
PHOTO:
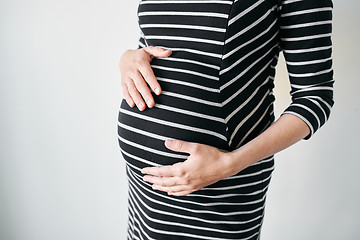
(217, 90)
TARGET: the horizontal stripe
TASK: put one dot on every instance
(171, 124)
(188, 84)
(183, 111)
(308, 62)
(305, 25)
(194, 14)
(314, 10)
(187, 39)
(174, 201)
(297, 86)
(186, 71)
(193, 99)
(309, 74)
(306, 37)
(190, 217)
(151, 149)
(172, 232)
(194, 51)
(307, 50)
(186, 1)
(192, 62)
(192, 27)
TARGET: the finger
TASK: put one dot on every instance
(181, 193)
(143, 88)
(157, 51)
(181, 146)
(135, 95)
(149, 76)
(176, 169)
(127, 96)
(164, 171)
(172, 189)
(165, 181)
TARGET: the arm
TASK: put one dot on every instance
(305, 33)
(286, 131)
(207, 165)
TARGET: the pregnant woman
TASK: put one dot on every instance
(196, 125)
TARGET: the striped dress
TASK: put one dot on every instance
(217, 89)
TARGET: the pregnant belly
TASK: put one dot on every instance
(142, 134)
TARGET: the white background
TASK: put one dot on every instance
(61, 172)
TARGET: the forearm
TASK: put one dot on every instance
(286, 131)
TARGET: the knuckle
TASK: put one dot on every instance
(149, 48)
(186, 180)
(124, 85)
(132, 75)
(187, 177)
(131, 86)
(196, 147)
(140, 62)
(178, 145)
(132, 89)
(180, 172)
(141, 85)
(162, 183)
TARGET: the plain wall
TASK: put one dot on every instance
(61, 172)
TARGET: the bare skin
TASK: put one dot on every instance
(206, 164)
(137, 76)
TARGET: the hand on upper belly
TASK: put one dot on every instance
(137, 76)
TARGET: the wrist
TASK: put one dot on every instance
(241, 158)
(233, 162)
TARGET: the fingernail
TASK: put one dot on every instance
(169, 142)
(140, 105)
(157, 91)
(131, 104)
(148, 102)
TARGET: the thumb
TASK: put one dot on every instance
(158, 52)
(179, 146)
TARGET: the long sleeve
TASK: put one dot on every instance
(305, 39)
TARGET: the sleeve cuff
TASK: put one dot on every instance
(312, 131)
